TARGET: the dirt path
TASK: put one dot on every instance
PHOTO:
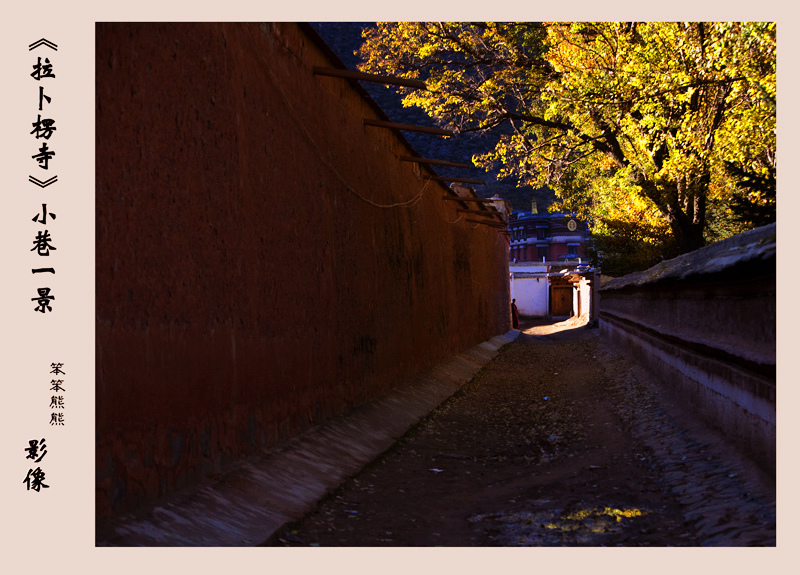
(558, 441)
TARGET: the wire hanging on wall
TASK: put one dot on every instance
(407, 204)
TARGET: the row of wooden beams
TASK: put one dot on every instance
(436, 162)
(363, 76)
(349, 74)
(460, 199)
(487, 223)
(408, 127)
(460, 180)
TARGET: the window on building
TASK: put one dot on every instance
(541, 253)
(541, 233)
(573, 250)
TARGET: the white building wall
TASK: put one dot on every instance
(586, 297)
(531, 295)
(583, 293)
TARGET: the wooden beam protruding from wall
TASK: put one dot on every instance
(351, 75)
(434, 162)
(408, 127)
(460, 199)
(459, 180)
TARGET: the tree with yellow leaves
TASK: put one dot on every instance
(652, 123)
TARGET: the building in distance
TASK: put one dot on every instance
(546, 237)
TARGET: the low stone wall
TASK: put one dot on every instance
(705, 324)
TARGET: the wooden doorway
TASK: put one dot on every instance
(561, 299)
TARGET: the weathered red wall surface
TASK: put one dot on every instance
(244, 291)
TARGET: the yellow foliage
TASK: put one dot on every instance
(625, 121)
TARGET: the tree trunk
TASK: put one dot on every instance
(688, 234)
(683, 203)
(687, 227)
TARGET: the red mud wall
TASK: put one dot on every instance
(245, 290)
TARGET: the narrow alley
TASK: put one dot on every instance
(558, 441)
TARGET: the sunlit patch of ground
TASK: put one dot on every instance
(547, 326)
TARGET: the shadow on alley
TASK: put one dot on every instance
(558, 441)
